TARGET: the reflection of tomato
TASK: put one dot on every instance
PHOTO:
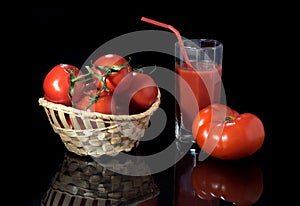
(239, 182)
(226, 134)
(184, 193)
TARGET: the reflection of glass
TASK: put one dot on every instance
(238, 182)
(82, 181)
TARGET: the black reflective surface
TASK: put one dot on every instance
(81, 179)
(47, 173)
(69, 179)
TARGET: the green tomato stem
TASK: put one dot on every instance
(108, 70)
(228, 119)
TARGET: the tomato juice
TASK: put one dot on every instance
(195, 89)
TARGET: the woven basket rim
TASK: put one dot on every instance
(71, 110)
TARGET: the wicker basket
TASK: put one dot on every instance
(94, 133)
(83, 181)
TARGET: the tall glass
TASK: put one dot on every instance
(199, 86)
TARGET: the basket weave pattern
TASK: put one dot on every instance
(80, 180)
(95, 134)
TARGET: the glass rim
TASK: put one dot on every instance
(195, 44)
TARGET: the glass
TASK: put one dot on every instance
(199, 86)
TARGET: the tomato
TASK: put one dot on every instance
(57, 83)
(103, 104)
(224, 133)
(143, 91)
(239, 182)
(111, 69)
(141, 94)
(80, 89)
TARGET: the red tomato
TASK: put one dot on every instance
(57, 83)
(141, 94)
(111, 69)
(224, 133)
(143, 90)
(103, 104)
(239, 182)
(81, 88)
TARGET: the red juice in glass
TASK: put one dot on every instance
(205, 86)
(196, 87)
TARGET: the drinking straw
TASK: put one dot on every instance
(177, 35)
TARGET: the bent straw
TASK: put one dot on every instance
(177, 35)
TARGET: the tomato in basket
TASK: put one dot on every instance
(141, 94)
(109, 70)
(94, 102)
(57, 83)
(144, 90)
(110, 86)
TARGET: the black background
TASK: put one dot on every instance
(68, 35)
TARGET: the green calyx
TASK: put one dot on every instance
(228, 119)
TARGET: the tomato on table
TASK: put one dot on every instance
(224, 133)
(57, 83)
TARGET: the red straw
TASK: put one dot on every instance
(177, 35)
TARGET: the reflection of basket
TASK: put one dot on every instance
(83, 181)
(95, 134)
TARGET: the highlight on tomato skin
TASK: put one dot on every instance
(224, 133)
(240, 182)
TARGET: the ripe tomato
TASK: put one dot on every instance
(57, 83)
(80, 89)
(141, 94)
(224, 133)
(143, 90)
(239, 182)
(111, 69)
(103, 104)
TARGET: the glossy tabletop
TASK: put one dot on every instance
(59, 177)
